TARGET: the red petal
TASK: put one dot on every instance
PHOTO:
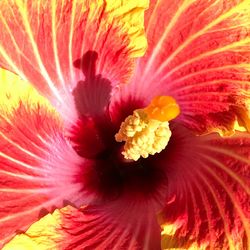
(111, 228)
(36, 162)
(91, 228)
(41, 40)
(199, 54)
(209, 195)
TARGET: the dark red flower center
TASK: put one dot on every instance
(107, 174)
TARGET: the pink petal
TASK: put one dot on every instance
(36, 161)
(209, 195)
(92, 227)
(199, 54)
(41, 40)
(108, 228)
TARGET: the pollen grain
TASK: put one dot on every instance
(147, 131)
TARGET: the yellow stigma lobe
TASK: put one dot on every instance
(147, 132)
(163, 108)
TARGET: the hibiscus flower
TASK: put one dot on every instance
(124, 128)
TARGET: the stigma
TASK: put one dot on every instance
(146, 132)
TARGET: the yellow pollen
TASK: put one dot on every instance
(147, 132)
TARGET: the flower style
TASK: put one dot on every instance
(78, 82)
